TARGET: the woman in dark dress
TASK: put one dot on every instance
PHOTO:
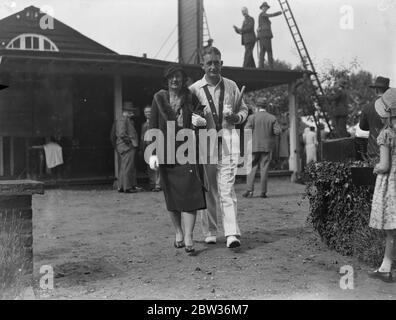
(181, 183)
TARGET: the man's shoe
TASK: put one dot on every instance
(384, 276)
(210, 240)
(247, 194)
(233, 242)
(137, 189)
(132, 190)
(263, 195)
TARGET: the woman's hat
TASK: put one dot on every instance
(265, 4)
(381, 82)
(171, 69)
(128, 106)
(386, 104)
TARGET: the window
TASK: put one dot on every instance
(36, 43)
(28, 43)
(32, 42)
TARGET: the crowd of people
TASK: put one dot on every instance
(216, 103)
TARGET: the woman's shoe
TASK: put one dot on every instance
(384, 276)
(248, 194)
(190, 249)
(178, 244)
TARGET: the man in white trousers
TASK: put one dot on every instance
(223, 109)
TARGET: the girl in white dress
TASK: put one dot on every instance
(383, 210)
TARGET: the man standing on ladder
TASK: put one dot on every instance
(264, 34)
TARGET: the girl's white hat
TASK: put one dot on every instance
(386, 105)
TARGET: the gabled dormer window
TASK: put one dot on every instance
(30, 41)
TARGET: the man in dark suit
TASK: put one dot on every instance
(339, 102)
(127, 145)
(265, 128)
(370, 120)
(248, 38)
(264, 34)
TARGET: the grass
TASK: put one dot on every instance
(12, 258)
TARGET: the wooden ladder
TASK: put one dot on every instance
(319, 97)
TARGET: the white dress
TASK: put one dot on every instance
(383, 208)
(310, 146)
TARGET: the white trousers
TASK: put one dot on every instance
(221, 197)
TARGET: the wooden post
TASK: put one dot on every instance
(294, 160)
(117, 112)
(12, 162)
(1, 157)
(16, 219)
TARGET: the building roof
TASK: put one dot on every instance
(16, 61)
(66, 38)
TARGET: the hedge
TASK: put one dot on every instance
(340, 211)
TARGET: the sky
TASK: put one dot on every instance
(134, 27)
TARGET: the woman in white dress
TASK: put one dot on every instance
(311, 143)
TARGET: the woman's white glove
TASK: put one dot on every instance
(153, 162)
(198, 121)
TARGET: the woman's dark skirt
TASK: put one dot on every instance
(182, 187)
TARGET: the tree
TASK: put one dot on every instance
(358, 82)
(358, 90)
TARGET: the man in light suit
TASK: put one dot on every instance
(265, 128)
(127, 145)
(223, 110)
(248, 38)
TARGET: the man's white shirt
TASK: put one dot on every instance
(231, 96)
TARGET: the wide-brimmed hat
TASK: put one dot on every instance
(171, 69)
(128, 106)
(262, 103)
(385, 105)
(381, 82)
(265, 4)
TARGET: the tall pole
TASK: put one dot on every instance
(117, 112)
(294, 160)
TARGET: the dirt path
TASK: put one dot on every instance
(106, 245)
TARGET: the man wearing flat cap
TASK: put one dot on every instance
(370, 120)
(265, 128)
(248, 38)
(264, 34)
(127, 145)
